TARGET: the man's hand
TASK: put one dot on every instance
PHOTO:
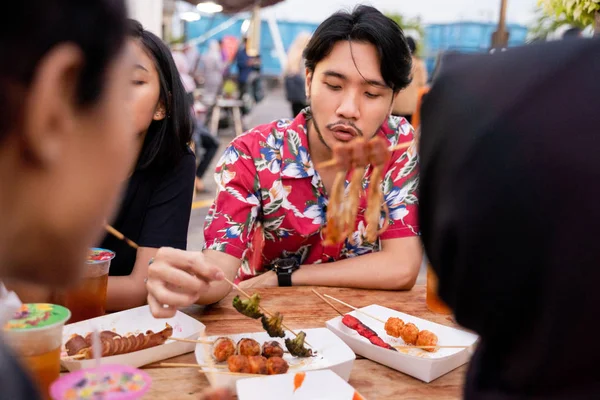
(177, 278)
(268, 279)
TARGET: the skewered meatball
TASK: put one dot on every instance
(394, 326)
(239, 364)
(258, 365)
(223, 349)
(427, 338)
(272, 349)
(277, 365)
(409, 333)
(248, 347)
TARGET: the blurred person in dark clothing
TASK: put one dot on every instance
(294, 78)
(510, 182)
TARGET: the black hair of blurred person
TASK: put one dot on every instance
(36, 26)
(572, 33)
(166, 140)
(412, 44)
(365, 24)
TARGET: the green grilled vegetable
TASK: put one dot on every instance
(296, 346)
(273, 325)
(249, 307)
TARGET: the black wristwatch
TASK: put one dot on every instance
(284, 269)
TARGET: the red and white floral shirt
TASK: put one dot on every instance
(267, 185)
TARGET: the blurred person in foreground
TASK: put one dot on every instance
(510, 217)
(273, 191)
(295, 75)
(67, 145)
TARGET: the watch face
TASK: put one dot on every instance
(286, 264)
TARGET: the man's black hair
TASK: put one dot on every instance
(96, 27)
(412, 44)
(166, 140)
(365, 24)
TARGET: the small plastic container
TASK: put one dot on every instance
(107, 382)
(35, 335)
(88, 299)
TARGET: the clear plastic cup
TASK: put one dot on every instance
(88, 299)
(35, 335)
(107, 382)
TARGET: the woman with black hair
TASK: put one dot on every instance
(156, 207)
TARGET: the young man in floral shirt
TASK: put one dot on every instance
(265, 226)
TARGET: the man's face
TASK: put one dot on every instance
(348, 96)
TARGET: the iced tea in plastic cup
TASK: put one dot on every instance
(88, 299)
(35, 335)
(434, 303)
(107, 382)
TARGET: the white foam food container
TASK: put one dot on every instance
(331, 353)
(317, 385)
(415, 362)
(136, 320)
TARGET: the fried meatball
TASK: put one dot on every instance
(223, 349)
(394, 326)
(272, 349)
(427, 338)
(239, 364)
(258, 365)
(248, 347)
(277, 365)
(409, 333)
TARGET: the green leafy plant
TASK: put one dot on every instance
(580, 13)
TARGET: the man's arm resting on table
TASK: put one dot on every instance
(395, 267)
(229, 265)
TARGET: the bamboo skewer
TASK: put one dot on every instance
(355, 309)
(187, 365)
(406, 346)
(176, 365)
(328, 302)
(261, 307)
(73, 357)
(191, 340)
(120, 236)
(333, 161)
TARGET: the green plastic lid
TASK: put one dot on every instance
(37, 316)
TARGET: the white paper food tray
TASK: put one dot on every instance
(136, 320)
(415, 362)
(332, 353)
(323, 385)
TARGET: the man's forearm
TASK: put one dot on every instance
(370, 271)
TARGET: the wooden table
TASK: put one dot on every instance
(302, 309)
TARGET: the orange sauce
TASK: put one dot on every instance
(298, 379)
(357, 396)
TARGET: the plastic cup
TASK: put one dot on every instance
(88, 299)
(107, 382)
(35, 335)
